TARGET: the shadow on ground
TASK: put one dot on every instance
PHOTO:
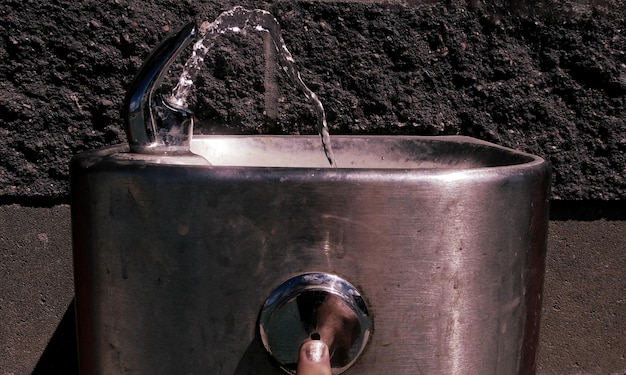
(61, 354)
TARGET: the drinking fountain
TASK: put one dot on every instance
(223, 254)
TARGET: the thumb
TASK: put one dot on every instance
(314, 359)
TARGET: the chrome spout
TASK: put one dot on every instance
(154, 125)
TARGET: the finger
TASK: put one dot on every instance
(314, 359)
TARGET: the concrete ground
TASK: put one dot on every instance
(584, 309)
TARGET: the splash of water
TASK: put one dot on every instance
(238, 20)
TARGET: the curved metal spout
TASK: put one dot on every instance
(153, 125)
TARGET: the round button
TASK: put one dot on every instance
(315, 306)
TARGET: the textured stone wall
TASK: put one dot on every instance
(542, 78)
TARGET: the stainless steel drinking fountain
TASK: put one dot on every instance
(430, 249)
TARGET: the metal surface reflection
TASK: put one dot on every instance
(316, 306)
(445, 236)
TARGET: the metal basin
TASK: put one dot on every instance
(444, 237)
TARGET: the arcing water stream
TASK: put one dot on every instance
(239, 20)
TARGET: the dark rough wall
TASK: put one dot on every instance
(549, 80)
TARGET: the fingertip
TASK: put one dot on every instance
(315, 351)
(314, 359)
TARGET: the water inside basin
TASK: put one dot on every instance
(377, 152)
